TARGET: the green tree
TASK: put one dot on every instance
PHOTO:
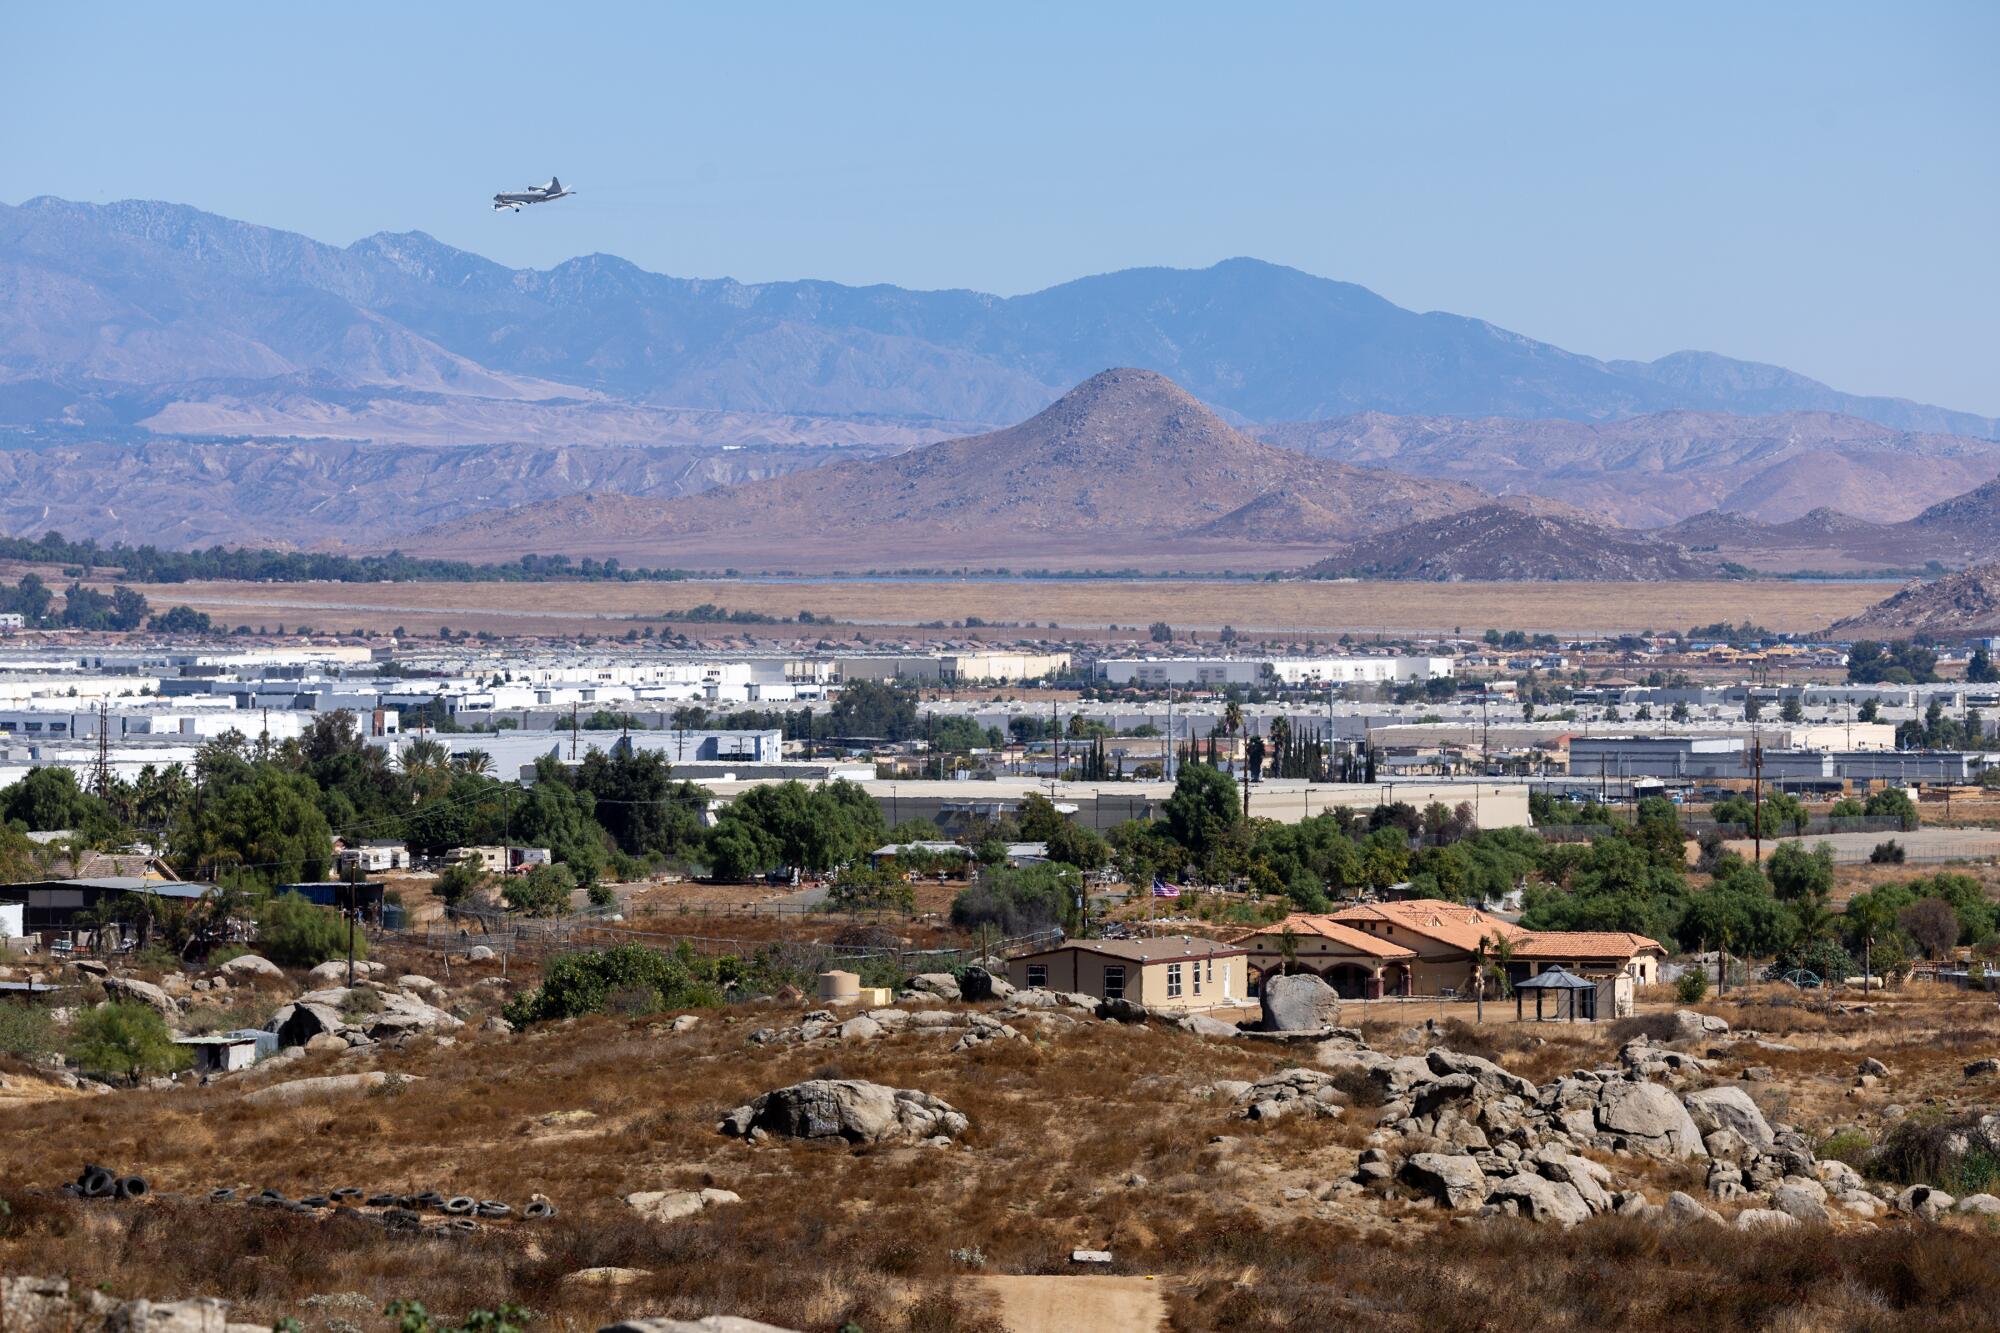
(49, 798)
(460, 881)
(293, 932)
(1870, 711)
(1798, 875)
(257, 824)
(1893, 803)
(787, 824)
(1201, 810)
(1932, 924)
(635, 799)
(543, 891)
(1980, 669)
(867, 708)
(1016, 901)
(583, 983)
(1679, 712)
(1791, 709)
(127, 1039)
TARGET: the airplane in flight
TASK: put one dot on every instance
(533, 194)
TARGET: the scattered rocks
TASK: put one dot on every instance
(1539, 1199)
(1682, 1209)
(1649, 1119)
(1690, 1025)
(850, 1109)
(1801, 1200)
(1764, 1219)
(1290, 1091)
(976, 983)
(250, 965)
(1925, 1202)
(331, 1085)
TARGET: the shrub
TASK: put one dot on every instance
(292, 932)
(585, 983)
(128, 1039)
(1851, 1146)
(1949, 1153)
(26, 1030)
(460, 881)
(1692, 986)
(1889, 853)
(602, 895)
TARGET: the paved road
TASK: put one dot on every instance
(1924, 844)
(1074, 1304)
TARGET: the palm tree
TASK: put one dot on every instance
(1232, 722)
(474, 761)
(1281, 740)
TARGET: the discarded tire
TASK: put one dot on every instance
(131, 1187)
(408, 1201)
(539, 1211)
(401, 1219)
(493, 1208)
(272, 1196)
(222, 1196)
(381, 1201)
(315, 1201)
(345, 1194)
(463, 1224)
(430, 1199)
(461, 1206)
(97, 1183)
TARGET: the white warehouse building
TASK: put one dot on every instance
(1221, 672)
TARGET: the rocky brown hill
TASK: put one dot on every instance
(1651, 470)
(1504, 542)
(1126, 466)
(1961, 605)
(1960, 531)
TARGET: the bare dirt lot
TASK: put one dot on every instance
(1309, 608)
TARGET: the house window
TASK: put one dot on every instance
(1173, 980)
(1114, 983)
(1211, 969)
(1038, 976)
(1197, 977)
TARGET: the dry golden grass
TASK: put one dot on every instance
(1100, 1136)
(1315, 608)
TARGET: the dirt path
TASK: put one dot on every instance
(1071, 1304)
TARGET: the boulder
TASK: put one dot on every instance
(707, 1323)
(1925, 1202)
(130, 990)
(1977, 1069)
(297, 1024)
(480, 953)
(190, 1316)
(860, 1028)
(1985, 1205)
(941, 984)
(1453, 1182)
(685, 1023)
(1122, 1011)
(1685, 1208)
(976, 983)
(1730, 1108)
(332, 1085)
(250, 965)
(1802, 1201)
(1764, 1219)
(1539, 1199)
(1649, 1119)
(421, 984)
(1692, 1026)
(846, 1108)
(334, 972)
(1872, 1066)
(1301, 1003)
(673, 1205)
(1444, 1063)
(1204, 1026)
(605, 1277)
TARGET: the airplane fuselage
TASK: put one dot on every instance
(540, 194)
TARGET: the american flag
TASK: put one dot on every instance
(1162, 889)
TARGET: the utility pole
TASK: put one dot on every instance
(100, 780)
(572, 732)
(353, 910)
(1757, 796)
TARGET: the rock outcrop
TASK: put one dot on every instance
(845, 1108)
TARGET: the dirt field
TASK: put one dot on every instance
(1089, 605)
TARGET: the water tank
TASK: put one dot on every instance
(839, 987)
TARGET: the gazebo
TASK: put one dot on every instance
(1565, 984)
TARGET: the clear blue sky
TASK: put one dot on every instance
(1816, 185)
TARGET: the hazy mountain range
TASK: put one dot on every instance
(398, 384)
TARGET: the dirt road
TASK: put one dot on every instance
(1074, 1304)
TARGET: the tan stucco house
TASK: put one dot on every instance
(1177, 972)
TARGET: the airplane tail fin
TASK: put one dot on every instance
(554, 186)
